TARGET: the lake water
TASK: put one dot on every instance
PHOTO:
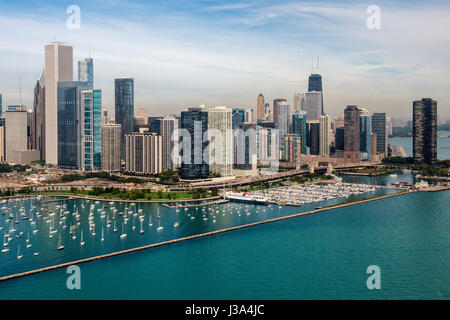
(443, 144)
(322, 256)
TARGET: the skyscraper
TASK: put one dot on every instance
(275, 108)
(17, 134)
(220, 138)
(299, 102)
(58, 68)
(141, 117)
(167, 129)
(379, 128)
(238, 117)
(283, 118)
(86, 71)
(111, 135)
(315, 84)
(365, 131)
(2, 140)
(313, 105)
(69, 124)
(39, 116)
(325, 127)
(124, 107)
(425, 131)
(298, 127)
(193, 164)
(351, 134)
(91, 127)
(1, 104)
(313, 138)
(260, 114)
(143, 153)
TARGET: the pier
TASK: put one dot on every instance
(164, 243)
(192, 205)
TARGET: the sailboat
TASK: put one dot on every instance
(19, 255)
(159, 224)
(28, 241)
(103, 234)
(60, 246)
(123, 235)
(115, 227)
(82, 241)
(142, 230)
(5, 244)
(150, 223)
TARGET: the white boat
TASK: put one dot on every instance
(245, 197)
(142, 230)
(103, 235)
(82, 241)
(19, 255)
(115, 227)
(123, 235)
(159, 225)
(60, 246)
(176, 225)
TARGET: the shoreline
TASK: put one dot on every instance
(169, 242)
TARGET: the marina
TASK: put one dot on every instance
(299, 194)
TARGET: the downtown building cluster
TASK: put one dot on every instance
(69, 127)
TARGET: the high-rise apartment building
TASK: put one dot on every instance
(58, 68)
(299, 102)
(325, 128)
(260, 114)
(276, 102)
(220, 136)
(167, 128)
(379, 128)
(124, 107)
(352, 134)
(193, 165)
(365, 132)
(425, 131)
(292, 147)
(91, 130)
(111, 136)
(2, 140)
(143, 153)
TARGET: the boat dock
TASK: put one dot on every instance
(191, 205)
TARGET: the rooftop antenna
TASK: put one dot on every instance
(312, 63)
(89, 49)
(317, 64)
(20, 91)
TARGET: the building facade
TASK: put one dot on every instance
(238, 116)
(91, 127)
(58, 68)
(298, 127)
(365, 132)
(194, 121)
(124, 107)
(143, 153)
(39, 116)
(352, 134)
(69, 124)
(260, 114)
(325, 128)
(379, 128)
(86, 71)
(111, 137)
(313, 105)
(425, 131)
(220, 136)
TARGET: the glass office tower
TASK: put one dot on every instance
(69, 123)
(91, 125)
(86, 71)
(124, 107)
(365, 131)
(298, 126)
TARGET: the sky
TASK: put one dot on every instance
(183, 53)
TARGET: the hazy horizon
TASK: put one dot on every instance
(227, 52)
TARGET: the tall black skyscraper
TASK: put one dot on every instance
(379, 128)
(124, 96)
(195, 121)
(425, 131)
(315, 84)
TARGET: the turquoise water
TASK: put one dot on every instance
(443, 144)
(322, 256)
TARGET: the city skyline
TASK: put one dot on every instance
(362, 68)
